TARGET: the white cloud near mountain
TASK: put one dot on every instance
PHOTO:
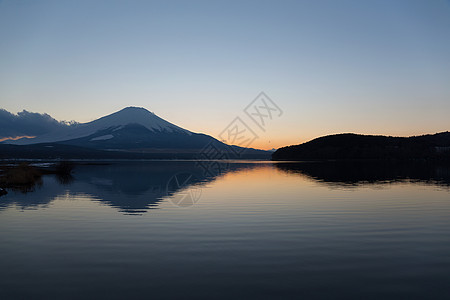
(27, 123)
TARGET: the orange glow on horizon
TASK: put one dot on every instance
(16, 138)
(276, 143)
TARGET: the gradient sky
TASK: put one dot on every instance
(374, 67)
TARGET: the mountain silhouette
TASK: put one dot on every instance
(131, 127)
(132, 132)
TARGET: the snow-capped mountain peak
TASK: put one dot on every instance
(112, 122)
(134, 115)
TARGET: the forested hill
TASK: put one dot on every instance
(356, 146)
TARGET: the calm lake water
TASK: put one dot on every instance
(180, 230)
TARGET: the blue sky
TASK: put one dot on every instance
(375, 67)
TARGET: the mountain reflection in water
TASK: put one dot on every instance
(131, 187)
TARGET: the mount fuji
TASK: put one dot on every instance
(132, 130)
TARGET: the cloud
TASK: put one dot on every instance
(27, 123)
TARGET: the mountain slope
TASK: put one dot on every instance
(354, 146)
(115, 121)
(134, 136)
(133, 130)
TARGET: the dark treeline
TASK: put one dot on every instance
(354, 146)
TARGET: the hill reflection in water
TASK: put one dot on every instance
(356, 173)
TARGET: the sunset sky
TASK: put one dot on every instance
(373, 67)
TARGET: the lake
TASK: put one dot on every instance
(224, 230)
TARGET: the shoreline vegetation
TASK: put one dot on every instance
(24, 177)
